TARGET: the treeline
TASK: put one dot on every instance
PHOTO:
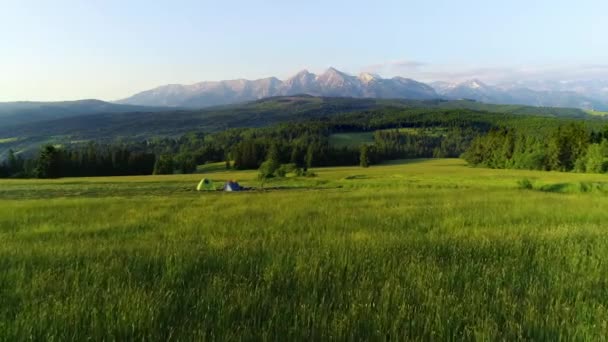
(306, 149)
(439, 133)
(571, 147)
(434, 143)
(398, 134)
(301, 145)
(95, 160)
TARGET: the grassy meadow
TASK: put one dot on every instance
(411, 250)
(351, 139)
(596, 112)
(8, 140)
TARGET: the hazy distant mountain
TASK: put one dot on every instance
(331, 83)
(519, 94)
(472, 89)
(12, 113)
(592, 88)
(591, 94)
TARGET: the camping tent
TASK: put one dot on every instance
(205, 184)
(232, 186)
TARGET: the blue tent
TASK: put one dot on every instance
(232, 186)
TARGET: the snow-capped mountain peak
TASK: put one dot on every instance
(367, 77)
(332, 82)
(473, 84)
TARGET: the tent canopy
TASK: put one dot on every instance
(232, 186)
(205, 184)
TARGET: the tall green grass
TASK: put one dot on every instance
(427, 250)
(352, 140)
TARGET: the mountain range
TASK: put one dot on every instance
(518, 94)
(335, 83)
(332, 83)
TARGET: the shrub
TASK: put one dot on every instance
(585, 187)
(525, 184)
(164, 165)
(284, 169)
(267, 170)
(595, 159)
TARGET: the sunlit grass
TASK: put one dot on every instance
(430, 250)
(8, 140)
(596, 112)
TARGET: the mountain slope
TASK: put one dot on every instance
(479, 91)
(259, 113)
(335, 83)
(139, 126)
(107, 126)
(331, 83)
(15, 113)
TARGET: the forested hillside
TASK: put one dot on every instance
(569, 147)
(110, 127)
(298, 130)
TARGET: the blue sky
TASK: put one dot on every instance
(58, 50)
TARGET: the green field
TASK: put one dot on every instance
(422, 250)
(429, 131)
(596, 113)
(8, 140)
(354, 139)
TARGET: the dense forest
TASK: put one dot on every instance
(482, 138)
(571, 147)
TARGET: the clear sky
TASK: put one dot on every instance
(110, 49)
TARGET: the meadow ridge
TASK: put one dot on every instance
(417, 249)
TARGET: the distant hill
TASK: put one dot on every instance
(141, 125)
(15, 113)
(107, 126)
(260, 113)
(332, 83)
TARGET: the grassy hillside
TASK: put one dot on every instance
(596, 112)
(19, 113)
(355, 139)
(107, 127)
(512, 109)
(115, 126)
(429, 250)
(171, 122)
(254, 114)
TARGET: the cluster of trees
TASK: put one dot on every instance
(251, 153)
(299, 145)
(94, 160)
(569, 147)
(272, 167)
(439, 143)
(398, 133)
(308, 146)
(15, 166)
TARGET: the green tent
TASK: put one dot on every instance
(205, 184)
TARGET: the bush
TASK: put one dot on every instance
(594, 162)
(164, 165)
(267, 170)
(285, 169)
(525, 184)
(585, 187)
(532, 160)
